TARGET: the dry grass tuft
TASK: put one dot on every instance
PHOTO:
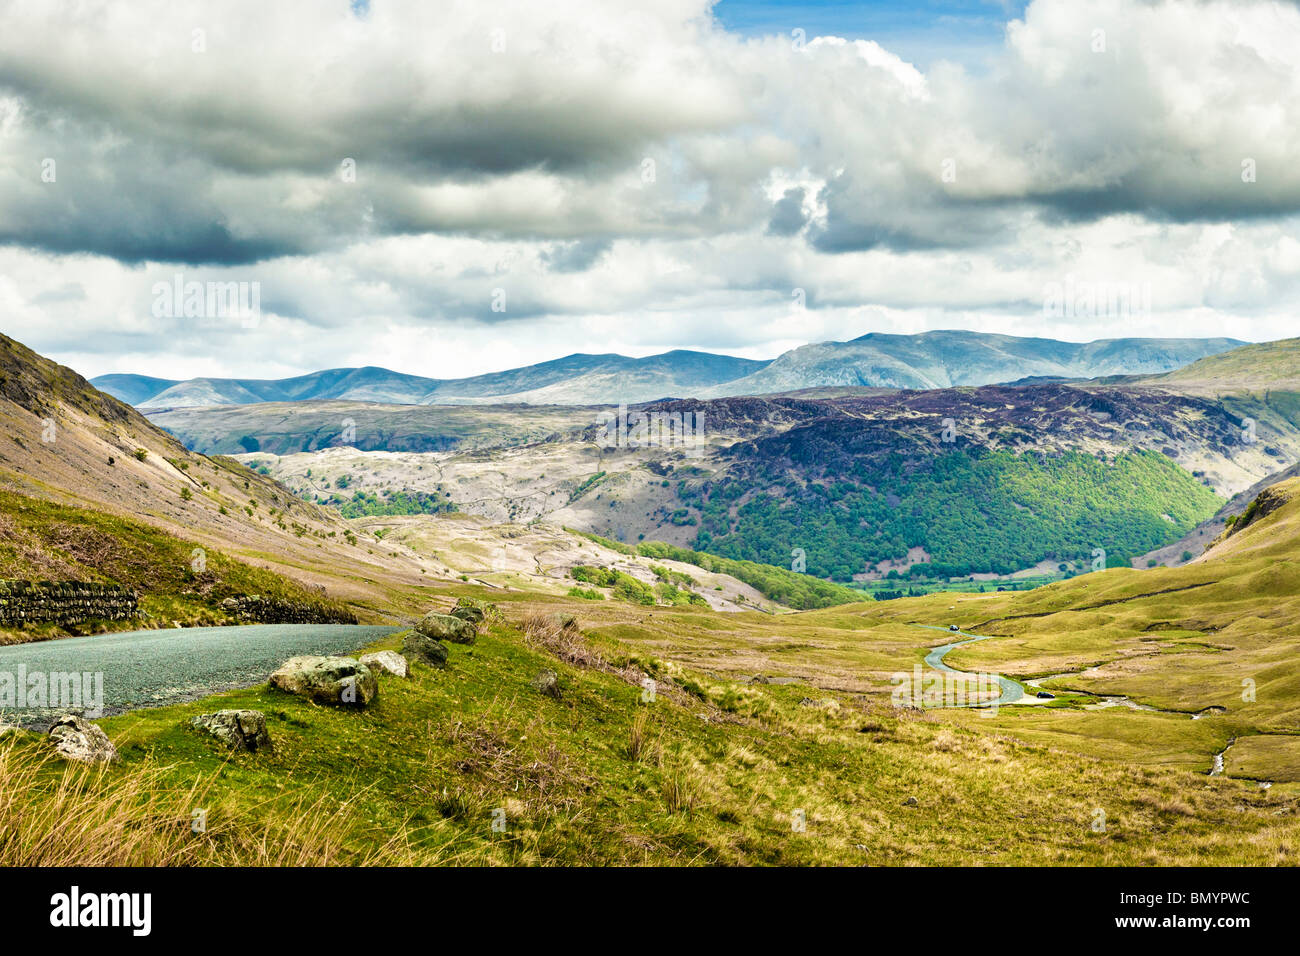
(679, 792)
(562, 637)
(53, 814)
(636, 743)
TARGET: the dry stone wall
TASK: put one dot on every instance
(64, 602)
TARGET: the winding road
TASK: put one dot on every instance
(153, 668)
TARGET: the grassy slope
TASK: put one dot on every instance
(1267, 365)
(720, 774)
(1216, 633)
(790, 588)
(63, 442)
(40, 540)
(723, 767)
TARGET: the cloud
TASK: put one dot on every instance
(629, 172)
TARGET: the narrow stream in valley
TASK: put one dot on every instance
(1013, 691)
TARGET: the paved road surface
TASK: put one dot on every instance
(152, 668)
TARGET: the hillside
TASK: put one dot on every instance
(766, 740)
(112, 498)
(86, 480)
(1035, 477)
(944, 359)
(1268, 366)
(1213, 638)
(755, 721)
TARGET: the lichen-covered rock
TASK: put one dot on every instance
(340, 681)
(76, 738)
(475, 612)
(425, 649)
(547, 682)
(237, 729)
(389, 661)
(444, 627)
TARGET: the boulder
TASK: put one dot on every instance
(470, 615)
(237, 729)
(474, 611)
(547, 682)
(425, 649)
(388, 661)
(444, 627)
(76, 738)
(340, 681)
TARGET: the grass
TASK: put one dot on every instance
(178, 580)
(151, 815)
(705, 772)
(791, 588)
(659, 750)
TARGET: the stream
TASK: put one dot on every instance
(1012, 691)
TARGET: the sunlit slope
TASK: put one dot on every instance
(1213, 634)
(1267, 365)
(67, 444)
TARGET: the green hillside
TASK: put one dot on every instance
(472, 765)
(973, 512)
(179, 582)
(797, 590)
(1266, 365)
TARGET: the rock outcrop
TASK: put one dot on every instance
(426, 649)
(76, 738)
(237, 729)
(389, 661)
(547, 682)
(338, 681)
(444, 627)
(478, 613)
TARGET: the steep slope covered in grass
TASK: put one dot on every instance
(65, 443)
(177, 581)
(1217, 633)
(793, 589)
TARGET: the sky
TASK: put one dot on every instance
(455, 188)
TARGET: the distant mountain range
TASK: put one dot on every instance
(573, 380)
(953, 358)
(929, 360)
